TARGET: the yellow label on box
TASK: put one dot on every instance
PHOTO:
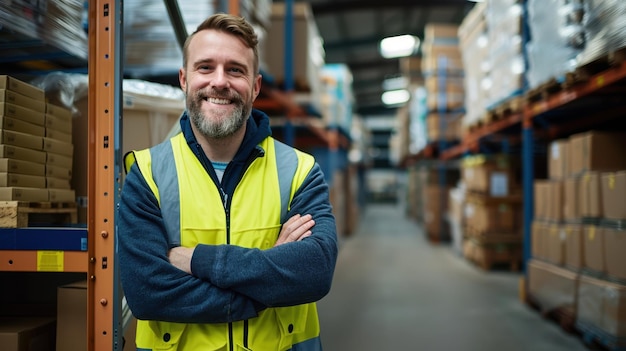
(611, 181)
(50, 261)
(592, 233)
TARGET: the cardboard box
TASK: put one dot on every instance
(58, 147)
(23, 154)
(22, 113)
(23, 194)
(61, 195)
(58, 111)
(27, 333)
(58, 183)
(571, 199)
(574, 246)
(9, 165)
(59, 123)
(496, 176)
(555, 201)
(71, 333)
(11, 97)
(593, 248)
(602, 304)
(557, 160)
(18, 86)
(541, 196)
(590, 195)
(443, 127)
(539, 240)
(446, 31)
(16, 125)
(58, 172)
(58, 135)
(59, 160)
(21, 180)
(308, 52)
(435, 205)
(494, 214)
(556, 244)
(551, 286)
(24, 140)
(597, 151)
(614, 194)
(614, 248)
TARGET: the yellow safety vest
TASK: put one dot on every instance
(192, 211)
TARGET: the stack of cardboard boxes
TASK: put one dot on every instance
(492, 210)
(36, 147)
(579, 232)
(443, 72)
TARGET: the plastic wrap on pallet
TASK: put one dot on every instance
(150, 42)
(58, 23)
(602, 306)
(475, 56)
(605, 28)
(504, 20)
(556, 38)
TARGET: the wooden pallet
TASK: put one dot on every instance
(544, 91)
(584, 72)
(593, 336)
(492, 237)
(489, 256)
(507, 108)
(20, 214)
(564, 316)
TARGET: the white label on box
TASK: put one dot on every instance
(554, 151)
(469, 211)
(499, 184)
(563, 235)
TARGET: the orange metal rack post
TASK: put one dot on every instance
(104, 302)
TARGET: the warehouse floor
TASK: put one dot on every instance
(393, 290)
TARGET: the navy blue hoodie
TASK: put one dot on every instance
(228, 283)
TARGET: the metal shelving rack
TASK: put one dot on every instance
(104, 310)
(579, 107)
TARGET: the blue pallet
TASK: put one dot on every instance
(591, 334)
(43, 238)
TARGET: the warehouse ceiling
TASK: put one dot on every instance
(352, 30)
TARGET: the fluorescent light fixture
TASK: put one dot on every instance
(399, 46)
(395, 83)
(396, 97)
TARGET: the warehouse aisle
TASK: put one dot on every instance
(393, 290)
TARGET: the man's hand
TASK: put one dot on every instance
(180, 257)
(295, 229)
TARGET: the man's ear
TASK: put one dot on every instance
(257, 86)
(182, 79)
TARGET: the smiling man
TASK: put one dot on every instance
(226, 236)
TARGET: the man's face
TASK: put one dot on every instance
(219, 82)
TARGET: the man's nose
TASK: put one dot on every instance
(219, 78)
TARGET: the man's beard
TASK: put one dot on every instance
(222, 125)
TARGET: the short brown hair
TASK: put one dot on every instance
(231, 24)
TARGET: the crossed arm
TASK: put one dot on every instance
(296, 228)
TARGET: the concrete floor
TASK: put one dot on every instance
(393, 290)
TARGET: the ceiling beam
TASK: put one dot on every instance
(334, 7)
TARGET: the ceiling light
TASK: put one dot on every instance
(396, 97)
(395, 83)
(399, 46)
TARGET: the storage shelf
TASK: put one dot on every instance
(43, 261)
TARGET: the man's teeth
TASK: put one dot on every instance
(219, 101)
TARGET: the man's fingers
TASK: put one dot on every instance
(296, 228)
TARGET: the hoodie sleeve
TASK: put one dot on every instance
(290, 274)
(154, 288)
